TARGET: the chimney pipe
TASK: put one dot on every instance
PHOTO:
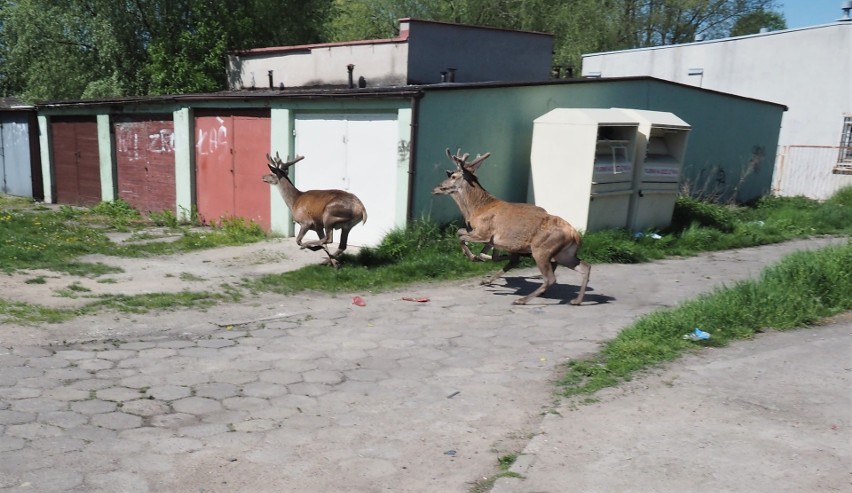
(350, 68)
(846, 7)
(271, 84)
(443, 76)
(451, 74)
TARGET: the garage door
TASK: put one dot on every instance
(145, 163)
(356, 153)
(77, 170)
(16, 177)
(230, 157)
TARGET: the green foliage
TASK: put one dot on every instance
(102, 48)
(699, 226)
(753, 22)
(191, 63)
(801, 289)
(690, 211)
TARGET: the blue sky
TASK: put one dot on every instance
(803, 13)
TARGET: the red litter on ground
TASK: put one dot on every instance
(418, 300)
(357, 300)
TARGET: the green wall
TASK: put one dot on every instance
(726, 130)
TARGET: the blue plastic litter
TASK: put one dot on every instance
(697, 335)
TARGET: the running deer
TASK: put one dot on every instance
(321, 211)
(516, 228)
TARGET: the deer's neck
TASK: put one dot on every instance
(471, 198)
(288, 191)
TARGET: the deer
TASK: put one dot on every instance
(321, 211)
(518, 229)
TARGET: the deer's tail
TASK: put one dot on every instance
(363, 214)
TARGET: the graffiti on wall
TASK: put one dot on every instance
(211, 135)
(137, 140)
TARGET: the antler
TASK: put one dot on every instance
(275, 164)
(461, 159)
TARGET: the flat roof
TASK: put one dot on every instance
(395, 92)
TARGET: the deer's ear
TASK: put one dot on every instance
(449, 173)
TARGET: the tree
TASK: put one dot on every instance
(71, 49)
(752, 23)
(578, 26)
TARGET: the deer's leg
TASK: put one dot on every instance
(544, 265)
(464, 245)
(514, 259)
(313, 244)
(568, 258)
(344, 238)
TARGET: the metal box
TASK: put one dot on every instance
(582, 166)
(660, 150)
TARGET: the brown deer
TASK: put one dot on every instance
(516, 228)
(321, 211)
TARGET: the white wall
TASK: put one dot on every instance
(809, 70)
(381, 64)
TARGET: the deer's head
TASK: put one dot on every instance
(279, 168)
(464, 173)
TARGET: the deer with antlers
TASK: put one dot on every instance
(321, 211)
(516, 228)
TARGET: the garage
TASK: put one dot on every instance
(145, 162)
(230, 157)
(77, 175)
(355, 152)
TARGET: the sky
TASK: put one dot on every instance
(803, 13)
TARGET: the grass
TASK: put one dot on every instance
(421, 252)
(426, 252)
(54, 238)
(798, 291)
(504, 463)
(34, 236)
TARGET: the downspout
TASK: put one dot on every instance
(412, 151)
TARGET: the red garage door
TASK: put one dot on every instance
(230, 159)
(145, 162)
(77, 171)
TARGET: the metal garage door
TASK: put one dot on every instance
(145, 162)
(356, 153)
(77, 173)
(230, 159)
(16, 176)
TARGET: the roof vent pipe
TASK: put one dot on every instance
(271, 84)
(846, 7)
(451, 72)
(443, 77)
(350, 68)
(699, 37)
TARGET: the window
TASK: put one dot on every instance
(844, 155)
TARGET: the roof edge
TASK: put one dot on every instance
(719, 40)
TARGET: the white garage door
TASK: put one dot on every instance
(356, 153)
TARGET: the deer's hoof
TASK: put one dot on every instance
(522, 301)
(576, 302)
